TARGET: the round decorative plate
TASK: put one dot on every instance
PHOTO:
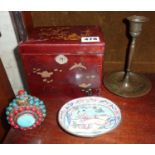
(89, 116)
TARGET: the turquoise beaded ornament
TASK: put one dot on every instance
(25, 111)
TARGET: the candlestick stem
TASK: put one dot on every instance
(126, 83)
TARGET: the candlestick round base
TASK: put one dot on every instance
(134, 85)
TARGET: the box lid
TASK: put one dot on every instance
(84, 38)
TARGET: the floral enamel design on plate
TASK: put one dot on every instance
(89, 116)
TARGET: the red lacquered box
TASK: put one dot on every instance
(64, 61)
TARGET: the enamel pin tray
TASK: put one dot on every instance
(89, 116)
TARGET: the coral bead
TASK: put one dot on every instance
(40, 115)
(12, 123)
(34, 126)
(33, 109)
(40, 119)
(27, 108)
(38, 112)
(10, 119)
(37, 123)
(15, 111)
(21, 109)
(21, 92)
(16, 127)
(11, 115)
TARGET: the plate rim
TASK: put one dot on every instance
(87, 136)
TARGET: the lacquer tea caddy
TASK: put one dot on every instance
(64, 60)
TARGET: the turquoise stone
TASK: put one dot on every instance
(22, 97)
(41, 102)
(7, 112)
(17, 97)
(44, 110)
(31, 98)
(31, 102)
(9, 108)
(37, 103)
(44, 115)
(36, 99)
(10, 104)
(14, 104)
(14, 100)
(26, 120)
(42, 106)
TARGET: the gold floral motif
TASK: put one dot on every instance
(45, 74)
(93, 76)
(77, 65)
(50, 81)
(85, 85)
(90, 77)
(44, 79)
(72, 36)
(62, 33)
(55, 69)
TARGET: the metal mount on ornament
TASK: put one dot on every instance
(25, 111)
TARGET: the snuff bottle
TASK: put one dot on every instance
(25, 111)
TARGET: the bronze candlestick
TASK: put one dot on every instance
(127, 83)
